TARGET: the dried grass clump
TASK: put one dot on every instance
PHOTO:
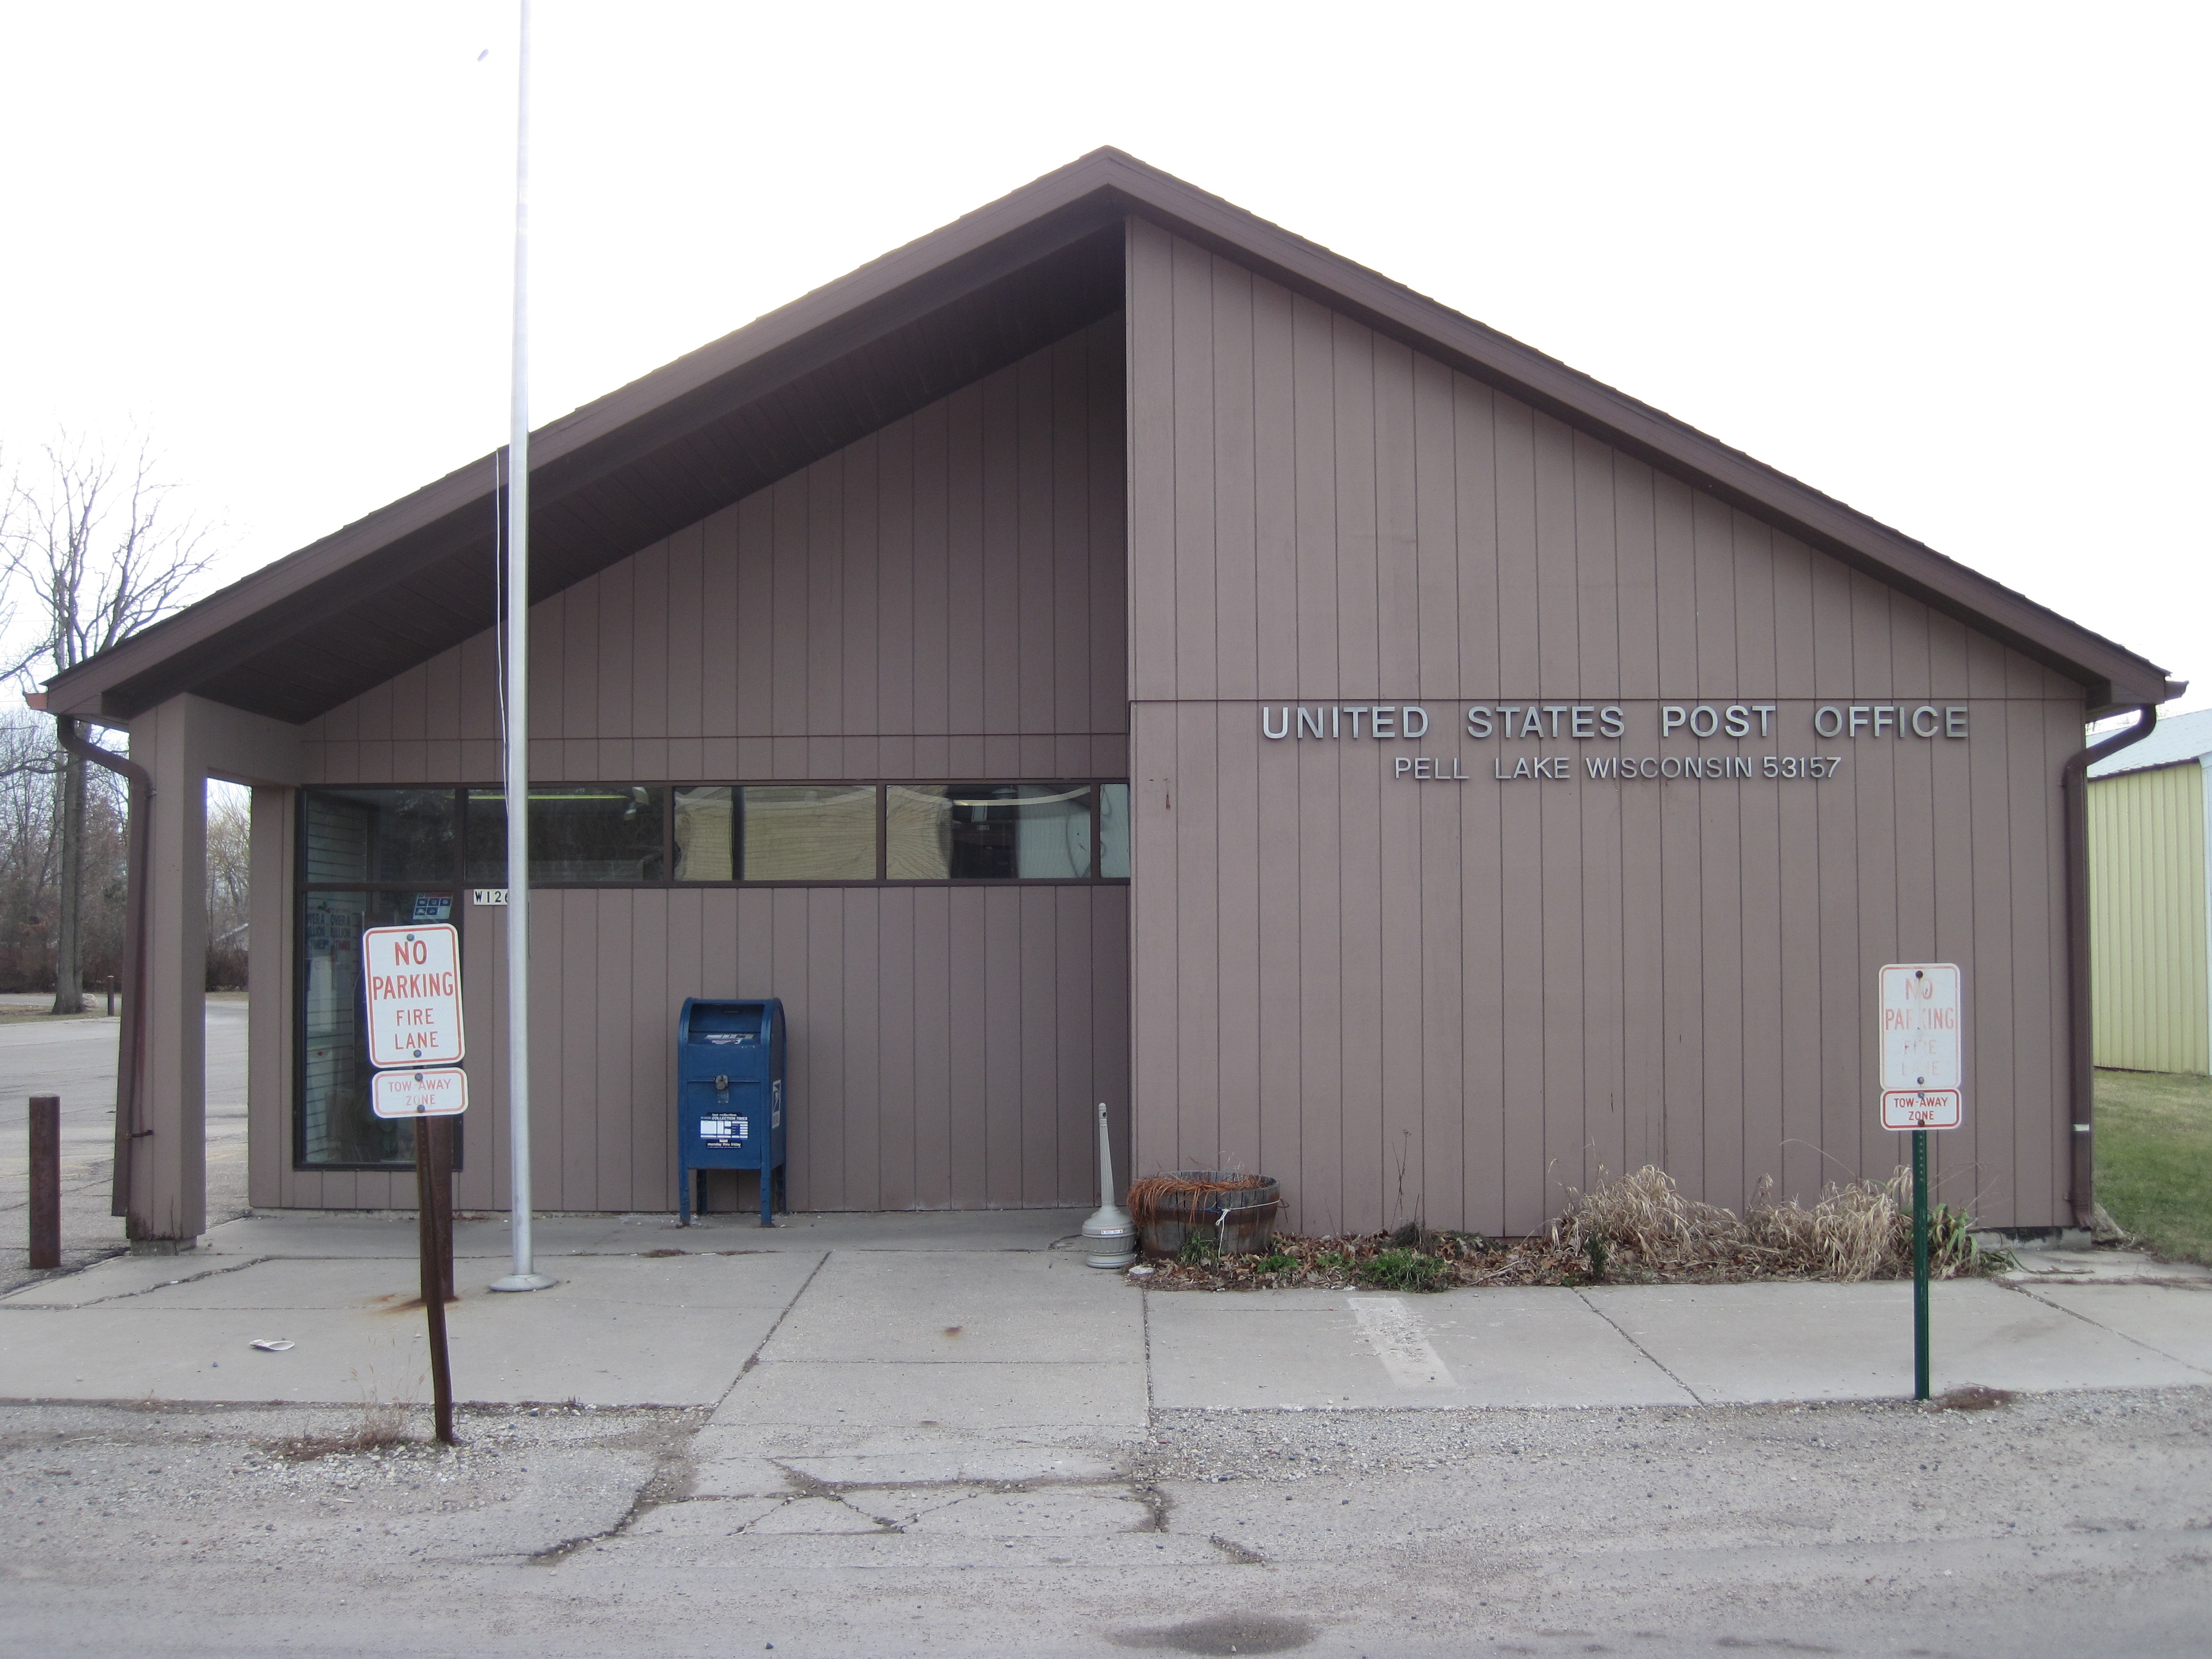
(1632, 1228)
(1856, 1231)
(382, 1426)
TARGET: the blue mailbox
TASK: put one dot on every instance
(729, 1094)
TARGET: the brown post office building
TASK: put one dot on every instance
(1113, 649)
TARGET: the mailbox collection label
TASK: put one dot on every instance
(719, 1131)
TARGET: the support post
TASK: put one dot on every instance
(168, 1181)
(1920, 1264)
(433, 1236)
(45, 1150)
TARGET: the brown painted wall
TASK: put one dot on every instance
(943, 600)
(1497, 989)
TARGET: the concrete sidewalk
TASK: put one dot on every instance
(855, 1335)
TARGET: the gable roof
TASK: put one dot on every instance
(322, 625)
(2176, 740)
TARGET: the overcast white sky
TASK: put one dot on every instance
(1945, 262)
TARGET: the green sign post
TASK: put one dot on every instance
(1922, 1088)
(1920, 1264)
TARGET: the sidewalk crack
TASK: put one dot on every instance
(125, 1296)
(1144, 1317)
(1645, 1351)
(2147, 1347)
(753, 1358)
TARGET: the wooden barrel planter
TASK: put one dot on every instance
(1237, 1212)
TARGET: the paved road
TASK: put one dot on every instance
(75, 1059)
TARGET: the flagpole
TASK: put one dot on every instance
(526, 1276)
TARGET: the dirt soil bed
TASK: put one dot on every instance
(1632, 1230)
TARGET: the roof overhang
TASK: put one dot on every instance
(353, 609)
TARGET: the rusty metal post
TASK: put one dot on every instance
(46, 1181)
(441, 1214)
(429, 1152)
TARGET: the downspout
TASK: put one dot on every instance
(129, 1125)
(2082, 1076)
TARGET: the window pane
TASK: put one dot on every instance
(704, 839)
(917, 832)
(336, 1123)
(1113, 831)
(814, 832)
(598, 832)
(381, 835)
(972, 832)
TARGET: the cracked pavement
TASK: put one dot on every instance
(948, 1437)
(893, 1435)
(2040, 1526)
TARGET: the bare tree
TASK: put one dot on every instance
(102, 557)
(229, 856)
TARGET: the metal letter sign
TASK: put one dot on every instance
(413, 978)
(1923, 1047)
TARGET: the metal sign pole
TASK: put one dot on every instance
(1922, 1008)
(1920, 1264)
(526, 1276)
(430, 1144)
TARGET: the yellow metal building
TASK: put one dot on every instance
(2150, 886)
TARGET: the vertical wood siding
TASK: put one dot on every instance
(2147, 895)
(1455, 1002)
(944, 599)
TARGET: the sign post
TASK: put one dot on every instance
(412, 979)
(1922, 1088)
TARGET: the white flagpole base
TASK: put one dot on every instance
(525, 1282)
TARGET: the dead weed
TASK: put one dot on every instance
(1632, 1228)
(382, 1427)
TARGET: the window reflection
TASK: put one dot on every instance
(811, 832)
(705, 842)
(379, 834)
(988, 831)
(1113, 831)
(598, 832)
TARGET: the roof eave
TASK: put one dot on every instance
(1073, 200)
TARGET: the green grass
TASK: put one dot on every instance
(1405, 1270)
(2154, 1159)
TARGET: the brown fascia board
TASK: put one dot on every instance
(1024, 225)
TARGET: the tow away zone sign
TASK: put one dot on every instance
(413, 980)
(441, 1091)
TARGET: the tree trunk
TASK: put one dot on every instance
(69, 875)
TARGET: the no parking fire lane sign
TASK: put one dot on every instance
(413, 979)
(1923, 1047)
